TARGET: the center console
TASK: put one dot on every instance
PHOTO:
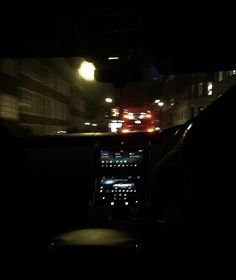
(121, 180)
(115, 228)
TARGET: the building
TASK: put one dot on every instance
(43, 96)
(186, 96)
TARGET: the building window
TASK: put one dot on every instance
(193, 90)
(209, 88)
(186, 114)
(176, 116)
(220, 76)
(231, 73)
(56, 110)
(200, 89)
(192, 112)
(186, 92)
(8, 107)
(48, 108)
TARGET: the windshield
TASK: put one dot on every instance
(53, 96)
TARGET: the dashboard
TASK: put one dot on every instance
(76, 178)
(78, 183)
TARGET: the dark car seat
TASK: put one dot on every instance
(21, 234)
(193, 193)
(208, 153)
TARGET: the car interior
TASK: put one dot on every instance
(107, 204)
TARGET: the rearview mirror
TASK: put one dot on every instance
(118, 74)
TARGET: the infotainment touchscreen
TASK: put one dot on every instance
(121, 158)
(118, 183)
(119, 189)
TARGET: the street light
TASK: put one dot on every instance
(157, 101)
(86, 71)
(160, 104)
(113, 58)
(108, 100)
